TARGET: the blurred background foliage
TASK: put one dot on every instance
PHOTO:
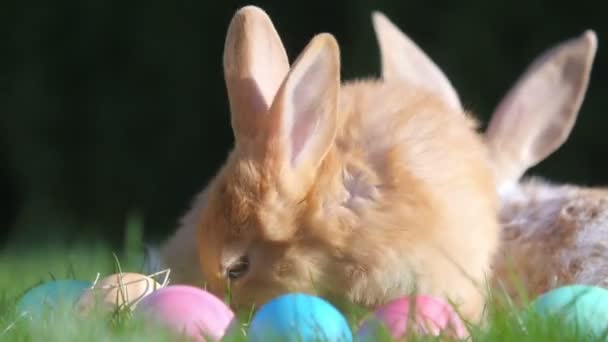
(109, 108)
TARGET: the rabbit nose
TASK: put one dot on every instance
(216, 288)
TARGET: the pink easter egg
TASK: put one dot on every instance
(189, 310)
(432, 317)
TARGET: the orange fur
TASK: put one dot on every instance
(180, 251)
(430, 193)
(390, 193)
(552, 234)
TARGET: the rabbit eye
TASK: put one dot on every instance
(239, 268)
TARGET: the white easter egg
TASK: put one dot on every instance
(116, 291)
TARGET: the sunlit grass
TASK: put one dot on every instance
(21, 270)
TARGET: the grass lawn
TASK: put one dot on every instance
(20, 270)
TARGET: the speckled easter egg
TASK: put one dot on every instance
(116, 291)
(430, 316)
(50, 295)
(299, 317)
(580, 305)
(188, 310)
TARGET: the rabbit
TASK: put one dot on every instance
(552, 234)
(362, 189)
(179, 253)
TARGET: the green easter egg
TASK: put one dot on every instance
(585, 306)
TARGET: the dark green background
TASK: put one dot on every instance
(115, 107)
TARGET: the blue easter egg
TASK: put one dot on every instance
(584, 306)
(50, 295)
(299, 317)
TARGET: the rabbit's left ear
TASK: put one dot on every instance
(402, 59)
(255, 65)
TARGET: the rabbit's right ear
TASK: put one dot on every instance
(255, 65)
(402, 59)
(304, 115)
(538, 113)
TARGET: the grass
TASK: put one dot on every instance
(21, 270)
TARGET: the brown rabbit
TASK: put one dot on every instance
(552, 234)
(366, 189)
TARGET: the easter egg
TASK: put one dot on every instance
(50, 295)
(299, 317)
(584, 306)
(431, 316)
(188, 310)
(116, 291)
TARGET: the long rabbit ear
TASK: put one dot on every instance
(304, 115)
(538, 113)
(255, 65)
(402, 59)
